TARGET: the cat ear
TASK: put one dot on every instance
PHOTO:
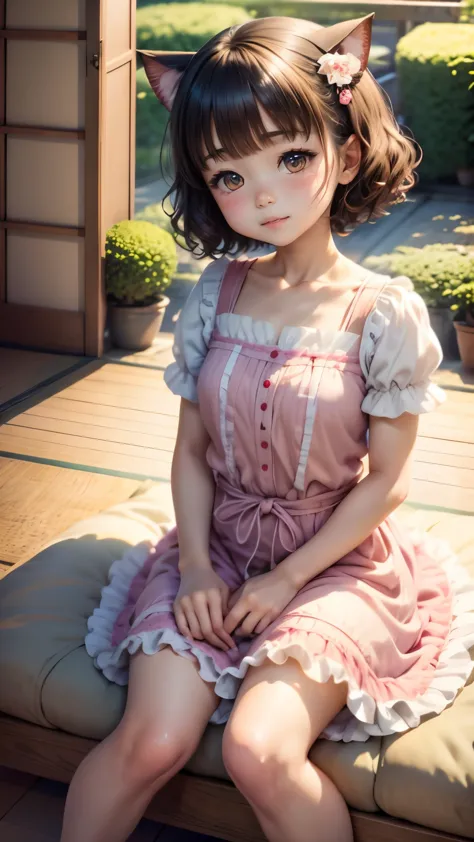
(164, 71)
(350, 36)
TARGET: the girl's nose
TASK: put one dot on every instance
(264, 198)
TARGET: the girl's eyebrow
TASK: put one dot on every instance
(215, 155)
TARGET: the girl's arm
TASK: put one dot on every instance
(201, 601)
(384, 488)
(193, 488)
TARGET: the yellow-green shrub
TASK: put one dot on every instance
(140, 260)
(438, 271)
(434, 63)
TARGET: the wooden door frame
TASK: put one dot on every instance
(96, 92)
(45, 327)
(94, 295)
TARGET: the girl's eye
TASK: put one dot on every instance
(230, 180)
(296, 159)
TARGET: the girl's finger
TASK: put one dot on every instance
(217, 619)
(235, 616)
(225, 601)
(264, 623)
(207, 629)
(181, 622)
(250, 623)
(191, 619)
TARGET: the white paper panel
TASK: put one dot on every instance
(45, 272)
(46, 84)
(45, 181)
(46, 14)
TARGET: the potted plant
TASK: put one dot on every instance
(435, 271)
(140, 260)
(464, 320)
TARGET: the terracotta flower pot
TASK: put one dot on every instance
(135, 328)
(465, 336)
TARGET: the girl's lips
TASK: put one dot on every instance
(274, 222)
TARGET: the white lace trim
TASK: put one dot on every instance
(261, 332)
(369, 718)
(225, 419)
(311, 404)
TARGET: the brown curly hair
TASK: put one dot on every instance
(272, 62)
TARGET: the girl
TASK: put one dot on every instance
(294, 606)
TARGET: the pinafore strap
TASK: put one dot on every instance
(231, 285)
(363, 302)
(359, 308)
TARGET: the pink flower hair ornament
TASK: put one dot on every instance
(340, 70)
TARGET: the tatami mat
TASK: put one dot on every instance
(38, 502)
(21, 371)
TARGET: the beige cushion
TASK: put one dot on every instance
(48, 678)
(427, 775)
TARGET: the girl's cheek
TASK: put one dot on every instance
(231, 204)
(302, 183)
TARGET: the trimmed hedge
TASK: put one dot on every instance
(438, 271)
(434, 62)
(171, 26)
(174, 26)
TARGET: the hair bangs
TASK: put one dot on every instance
(228, 100)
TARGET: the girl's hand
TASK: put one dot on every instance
(258, 602)
(200, 606)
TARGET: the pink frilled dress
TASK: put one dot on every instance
(288, 421)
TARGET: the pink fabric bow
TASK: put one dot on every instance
(247, 510)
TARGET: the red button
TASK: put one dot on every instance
(264, 467)
(274, 354)
(266, 384)
(264, 445)
(263, 406)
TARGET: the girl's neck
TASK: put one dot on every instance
(312, 257)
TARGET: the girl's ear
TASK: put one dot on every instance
(350, 36)
(164, 72)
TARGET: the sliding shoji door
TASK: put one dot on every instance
(67, 135)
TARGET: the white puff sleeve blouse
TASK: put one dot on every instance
(193, 332)
(399, 352)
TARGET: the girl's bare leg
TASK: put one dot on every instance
(168, 708)
(277, 716)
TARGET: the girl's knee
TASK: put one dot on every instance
(148, 753)
(257, 762)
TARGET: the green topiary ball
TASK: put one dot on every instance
(140, 261)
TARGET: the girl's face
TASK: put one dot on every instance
(286, 181)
